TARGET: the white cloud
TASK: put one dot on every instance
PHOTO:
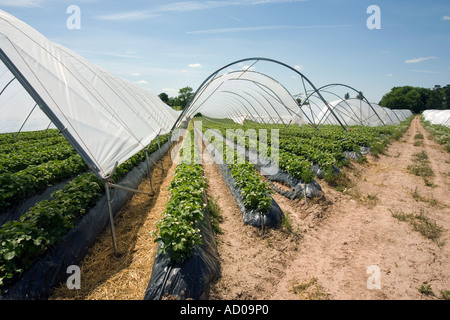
(141, 82)
(170, 91)
(389, 75)
(416, 60)
(446, 18)
(136, 74)
(195, 65)
(298, 67)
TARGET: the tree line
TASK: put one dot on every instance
(417, 99)
(179, 102)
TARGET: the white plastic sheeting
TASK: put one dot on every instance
(18, 110)
(246, 95)
(105, 118)
(439, 117)
(353, 112)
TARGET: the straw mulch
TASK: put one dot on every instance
(105, 277)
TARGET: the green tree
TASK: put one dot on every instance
(164, 97)
(446, 90)
(184, 96)
(347, 96)
(436, 99)
(360, 95)
(406, 97)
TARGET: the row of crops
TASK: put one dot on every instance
(301, 148)
(441, 134)
(31, 163)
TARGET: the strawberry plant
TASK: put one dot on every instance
(178, 231)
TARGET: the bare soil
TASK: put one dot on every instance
(333, 242)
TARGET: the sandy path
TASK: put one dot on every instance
(337, 238)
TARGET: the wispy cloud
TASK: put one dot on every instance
(425, 71)
(298, 67)
(417, 60)
(183, 6)
(195, 65)
(128, 16)
(22, 3)
(266, 28)
(141, 82)
(170, 91)
(446, 18)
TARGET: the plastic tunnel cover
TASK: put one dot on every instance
(247, 95)
(105, 118)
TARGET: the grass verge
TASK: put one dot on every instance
(310, 290)
(422, 224)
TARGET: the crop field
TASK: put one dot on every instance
(30, 164)
(218, 195)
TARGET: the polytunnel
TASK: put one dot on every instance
(105, 118)
(437, 117)
(358, 112)
(247, 94)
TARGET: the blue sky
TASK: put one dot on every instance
(167, 45)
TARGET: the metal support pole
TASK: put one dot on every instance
(159, 149)
(112, 185)
(21, 127)
(111, 219)
(149, 170)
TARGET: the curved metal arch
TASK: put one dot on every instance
(257, 59)
(251, 105)
(395, 114)
(243, 105)
(347, 86)
(262, 106)
(259, 84)
(327, 116)
(7, 85)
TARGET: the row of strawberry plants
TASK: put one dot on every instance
(178, 232)
(6, 148)
(254, 191)
(27, 135)
(44, 225)
(18, 186)
(297, 166)
(23, 241)
(20, 160)
(300, 146)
